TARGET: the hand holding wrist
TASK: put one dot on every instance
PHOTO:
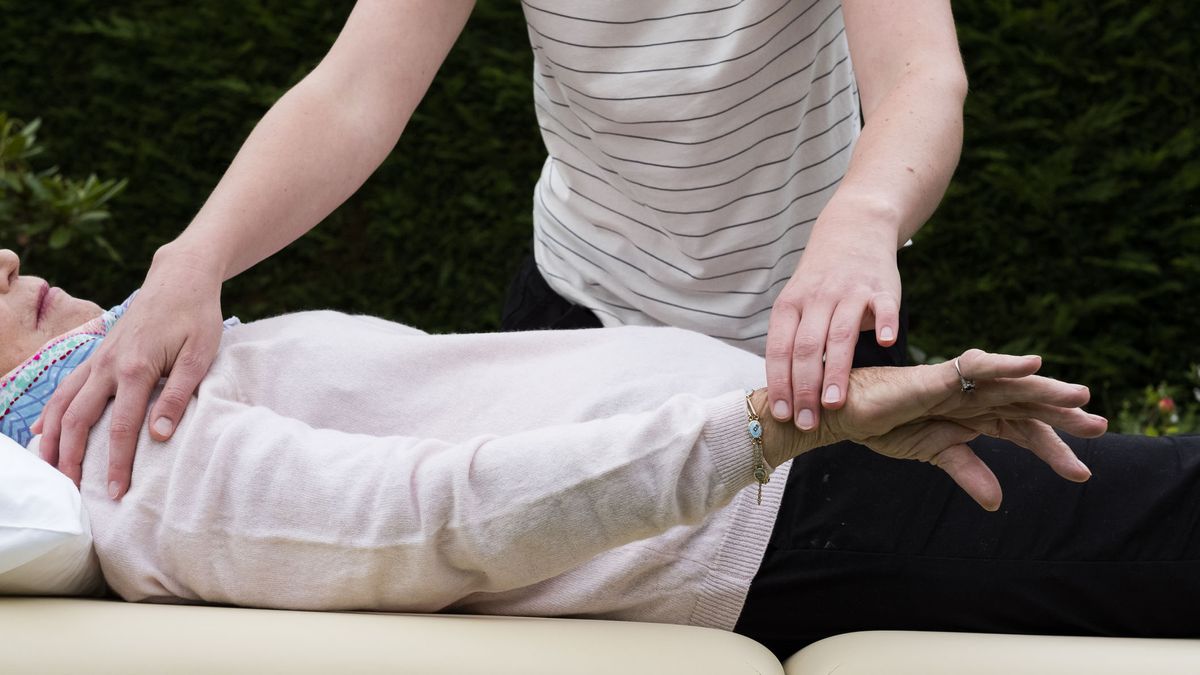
(782, 441)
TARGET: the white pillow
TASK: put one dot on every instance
(45, 537)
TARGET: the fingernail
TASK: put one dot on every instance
(162, 426)
(780, 410)
(1079, 464)
(832, 393)
(114, 489)
(886, 333)
(805, 419)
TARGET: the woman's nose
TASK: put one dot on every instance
(10, 267)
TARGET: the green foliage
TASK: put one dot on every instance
(43, 211)
(164, 93)
(1071, 229)
(1163, 410)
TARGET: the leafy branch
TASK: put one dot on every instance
(42, 210)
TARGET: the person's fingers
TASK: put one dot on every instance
(49, 423)
(887, 318)
(125, 423)
(185, 377)
(970, 473)
(78, 419)
(839, 353)
(1073, 421)
(1042, 441)
(1028, 389)
(976, 364)
(808, 348)
(997, 392)
(781, 335)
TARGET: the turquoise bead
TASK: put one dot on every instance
(755, 429)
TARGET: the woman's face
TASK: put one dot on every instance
(32, 313)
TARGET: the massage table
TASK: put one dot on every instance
(60, 635)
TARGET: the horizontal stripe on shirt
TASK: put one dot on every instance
(691, 146)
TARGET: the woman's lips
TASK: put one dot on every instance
(45, 299)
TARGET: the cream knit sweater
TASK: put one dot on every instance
(344, 462)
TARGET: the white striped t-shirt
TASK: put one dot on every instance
(692, 144)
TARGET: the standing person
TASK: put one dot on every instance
(695, 150)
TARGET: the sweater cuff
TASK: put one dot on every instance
(728, 439)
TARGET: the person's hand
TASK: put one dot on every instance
(844, 283)
(172, 329)
(922, 413)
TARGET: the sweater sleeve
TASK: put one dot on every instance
(260, 509)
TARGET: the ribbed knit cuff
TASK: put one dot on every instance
(728, 439)
(735, 563)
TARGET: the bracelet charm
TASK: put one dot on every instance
(755, 429)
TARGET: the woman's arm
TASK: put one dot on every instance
(321, 140)
(247, 506)
(310, 152)
(912, 86)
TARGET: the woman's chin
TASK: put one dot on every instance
(67, 312)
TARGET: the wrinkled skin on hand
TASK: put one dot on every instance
(922, 413)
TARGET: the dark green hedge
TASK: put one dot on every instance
(1071, 229)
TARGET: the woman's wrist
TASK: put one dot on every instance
(783, 441)
(862, 217)
(198, 262)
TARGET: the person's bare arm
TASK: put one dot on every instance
(310, 152)
(912, 86)
(318, 144)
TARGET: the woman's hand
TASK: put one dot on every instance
(922, 413)
(846, 282)
(172, 330)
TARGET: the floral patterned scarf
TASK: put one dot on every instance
(26, 389)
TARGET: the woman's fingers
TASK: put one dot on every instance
(781, 335)
(172, 328)
(839, 352)
(976, 364)
(887, 318)
(76, 421)
(1073, 421)
(971, 474)
(808, 351)
(1006, 391)
(1037, 437)
(128, 414)
(944, 444)
(49, 423)
(189, 369)
(1051, 449)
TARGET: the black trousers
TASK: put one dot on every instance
(864, 542)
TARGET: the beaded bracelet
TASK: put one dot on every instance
(756, 431)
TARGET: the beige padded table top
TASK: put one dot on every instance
(911, 653)
(46, 635)
(43, 635)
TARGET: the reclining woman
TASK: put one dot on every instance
(332, 462)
